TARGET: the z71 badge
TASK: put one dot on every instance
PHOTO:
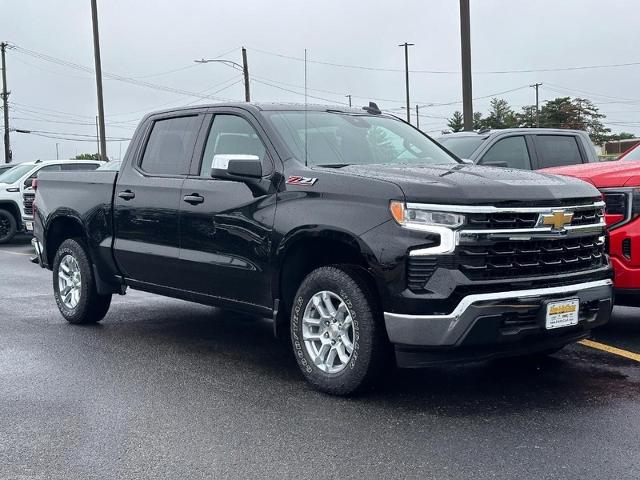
(302, 181)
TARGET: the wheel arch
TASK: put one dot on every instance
(306, 249)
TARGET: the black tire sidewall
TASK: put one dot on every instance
(13, 226)
(76, 250)
(345, 284)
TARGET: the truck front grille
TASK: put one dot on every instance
(512, 220)
(511, 259)
(517, 243)
(28, 199)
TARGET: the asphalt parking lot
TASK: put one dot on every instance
(168, 389)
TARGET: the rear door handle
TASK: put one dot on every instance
(193, 199)
(127, 195)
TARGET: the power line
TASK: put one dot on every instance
(447, 72)
(112, 76)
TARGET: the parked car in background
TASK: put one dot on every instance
(523, 148)
(619, 182)
(28, 192)
(355, 232)
(631, 154)
(15, 181)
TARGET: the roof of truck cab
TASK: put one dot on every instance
(533, 131)
(260, 106)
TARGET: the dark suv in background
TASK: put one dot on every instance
(523, 148)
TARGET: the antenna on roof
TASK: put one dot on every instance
(305, 107)
(372, 109)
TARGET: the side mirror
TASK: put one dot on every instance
(236, 167)
(466, 161)
(28, 183)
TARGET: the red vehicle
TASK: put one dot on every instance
(619, 182)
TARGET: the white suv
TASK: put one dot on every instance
(16, 180)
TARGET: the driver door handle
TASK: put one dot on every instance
(193, 199)
(127, 195)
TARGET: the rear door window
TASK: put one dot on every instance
(170, 146)
(557, 150)
(510, 152)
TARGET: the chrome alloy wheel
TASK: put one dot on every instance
(327, 331)
(69, 281)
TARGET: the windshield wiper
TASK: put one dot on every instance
(334, 165)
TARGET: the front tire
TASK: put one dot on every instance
(74, 286)
(8, 226)
(336, 331)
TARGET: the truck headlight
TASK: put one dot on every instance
(417, 218)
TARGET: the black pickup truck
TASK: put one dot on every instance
(361, 237)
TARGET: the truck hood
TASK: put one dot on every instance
(471, 184)
(603, 175)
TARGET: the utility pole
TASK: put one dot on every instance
(536, 86)
(57, 155)
(406, 73)
(5, 106)
(97, 138)
(465, 46)
(417, 116)
(349, 97)
(245, 72)
(102, 152)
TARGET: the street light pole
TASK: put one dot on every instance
(406, 73)
(245, 73)
(243, 68)
(349, 97)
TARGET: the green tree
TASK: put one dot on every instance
(478, 121)
(456, 122)
(577, 113)
(87, 156)
(527, 117)
(501, 115)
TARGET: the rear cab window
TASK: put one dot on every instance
(557, 150)
(170, 145)
(510, 152)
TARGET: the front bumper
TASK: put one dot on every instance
(499, 318)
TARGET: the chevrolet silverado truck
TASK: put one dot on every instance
(619, 182)
(364, 240)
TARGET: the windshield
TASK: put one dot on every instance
(336, 139)
(463, 147)
(14, 174)
(631, 155)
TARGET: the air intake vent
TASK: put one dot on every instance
(626, 248)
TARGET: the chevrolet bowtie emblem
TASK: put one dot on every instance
(556, 219)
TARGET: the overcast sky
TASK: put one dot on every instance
(147, 41)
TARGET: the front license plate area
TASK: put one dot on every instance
(563, 313)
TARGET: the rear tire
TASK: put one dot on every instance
(336, 331)
(74, 286)
(8, 226)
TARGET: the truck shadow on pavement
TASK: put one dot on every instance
(217, 342)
